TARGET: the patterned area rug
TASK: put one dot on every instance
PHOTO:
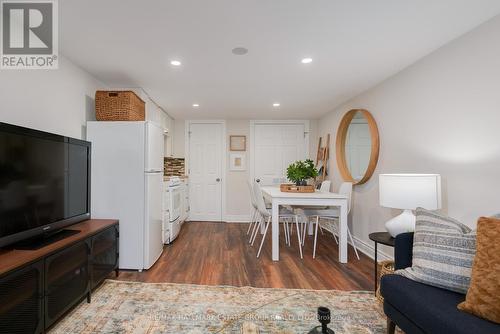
(130, 307)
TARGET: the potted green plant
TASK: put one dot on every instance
(300, 171)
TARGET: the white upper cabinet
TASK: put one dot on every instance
(159, 117)
(153, 113)
(168, 123)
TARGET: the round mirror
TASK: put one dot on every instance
(357, 146)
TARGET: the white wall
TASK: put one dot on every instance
(440, 115)
(238, 205)
(313, 139)
(58, 101)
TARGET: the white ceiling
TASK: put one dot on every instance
(354, 44)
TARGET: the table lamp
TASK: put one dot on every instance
(408, 192)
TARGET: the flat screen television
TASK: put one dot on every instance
(44, 183)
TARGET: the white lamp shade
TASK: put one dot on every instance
(410, 191)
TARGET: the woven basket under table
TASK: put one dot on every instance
(387, 267)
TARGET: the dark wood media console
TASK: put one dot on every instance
(38, 286)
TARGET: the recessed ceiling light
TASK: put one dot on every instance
(276, 105)
(239, 51)
(195, 105)
(175, 63)
(306, 60)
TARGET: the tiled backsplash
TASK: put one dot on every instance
(174, 166)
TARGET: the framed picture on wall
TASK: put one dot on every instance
(237, 143)
(237, 162)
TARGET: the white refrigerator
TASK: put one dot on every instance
(126, 184)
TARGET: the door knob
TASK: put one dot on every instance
(217, 179)
(257, 180)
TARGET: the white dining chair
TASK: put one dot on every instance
(333, 215)
(266, 217)
(285, 215)
(255, 211)
(324, 188)
(258, 216)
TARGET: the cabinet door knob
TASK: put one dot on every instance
(257, 180)
(218, 179)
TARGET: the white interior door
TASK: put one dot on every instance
(205, 171)
(275, 147)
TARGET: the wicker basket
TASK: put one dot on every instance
(118, 106)
(292, 188)
(387, 267)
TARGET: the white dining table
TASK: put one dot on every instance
(279, 198)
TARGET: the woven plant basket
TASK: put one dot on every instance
(387, 267)
(118, 106)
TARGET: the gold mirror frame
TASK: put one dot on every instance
(340, 146)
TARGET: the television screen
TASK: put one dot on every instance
(43, 181)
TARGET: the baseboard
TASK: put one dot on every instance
(237, 218)
(369, 250)
(366, 248)
(228, 219)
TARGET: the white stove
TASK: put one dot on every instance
(172, 207)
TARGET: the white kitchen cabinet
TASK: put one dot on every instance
(169, 145)
(155, 115)
(168, 123)
(169, 138)
(161, 117)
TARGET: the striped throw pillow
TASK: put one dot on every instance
(443, 252)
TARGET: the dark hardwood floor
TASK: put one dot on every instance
(219, 254)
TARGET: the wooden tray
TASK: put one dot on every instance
(292, 188)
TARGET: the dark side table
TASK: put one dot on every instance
(383, 238)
